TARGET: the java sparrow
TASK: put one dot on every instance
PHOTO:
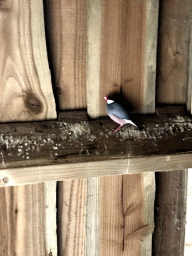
(117, 113)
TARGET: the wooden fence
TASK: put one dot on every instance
(92, 48)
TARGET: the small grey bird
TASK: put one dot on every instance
(117, 113)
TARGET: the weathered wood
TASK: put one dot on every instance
(23, 221)
(188, 226)
(94, 31)
(189, 78)
(65, 141)
(65, 23)
(29, 219)
(28, 175)
(170, 213)
(26, 91)
(173, 51)
(150, 31)
(128, 50)
(123, 227)
(149, 186)
(93, 217)
(71, 217)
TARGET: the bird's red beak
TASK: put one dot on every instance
(105, 98)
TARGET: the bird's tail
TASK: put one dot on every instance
(130, 122)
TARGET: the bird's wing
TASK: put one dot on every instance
(117, 110)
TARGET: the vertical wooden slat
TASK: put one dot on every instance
(170, 213)
(189, 80)
(173, 49)
(148, 212)
(93, 217)
(125, 209)
(94, 30)
(128, 50)
(66, 23)
(188, 226)
(26, 91)
(111, 216)
(71, 217)
(29, 212)
(23, 218)
(150, 31)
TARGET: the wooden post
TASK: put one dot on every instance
(28, 213)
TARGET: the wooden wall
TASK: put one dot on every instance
(99, 47)
(94, 48)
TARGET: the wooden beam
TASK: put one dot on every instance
(65, 144)
(67, 141)
(27, 175)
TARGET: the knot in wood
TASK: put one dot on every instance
(33, 103)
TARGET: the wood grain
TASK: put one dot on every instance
(149, 53)
(26, 92)
(94, 31)
(68, 141)
(93, 217)
(189, 78)
(65, 23)
(71, 217)
(128, 51)
(188, 226)
(29, 175)
(29, 219)
(173, 44)
(23, 221)
(122, 220)
(170, 213)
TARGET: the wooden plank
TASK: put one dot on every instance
(170, 213)
(23, 221)
(93, 217)
(128, 50)
(65, 23)
(148, 86)
(26, 92)
(94, 31)
(188, 226)
(173, 49)
(30, 211)
(122, 220)
(189, 78)
(29, 175)
(71, 217)
(148, 180)
(68, 141)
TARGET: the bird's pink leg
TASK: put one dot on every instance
(117, 128)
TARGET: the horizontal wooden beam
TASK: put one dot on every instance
(28, 175)
(75, 147)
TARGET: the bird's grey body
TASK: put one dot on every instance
(117, 113)
(117, 110)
